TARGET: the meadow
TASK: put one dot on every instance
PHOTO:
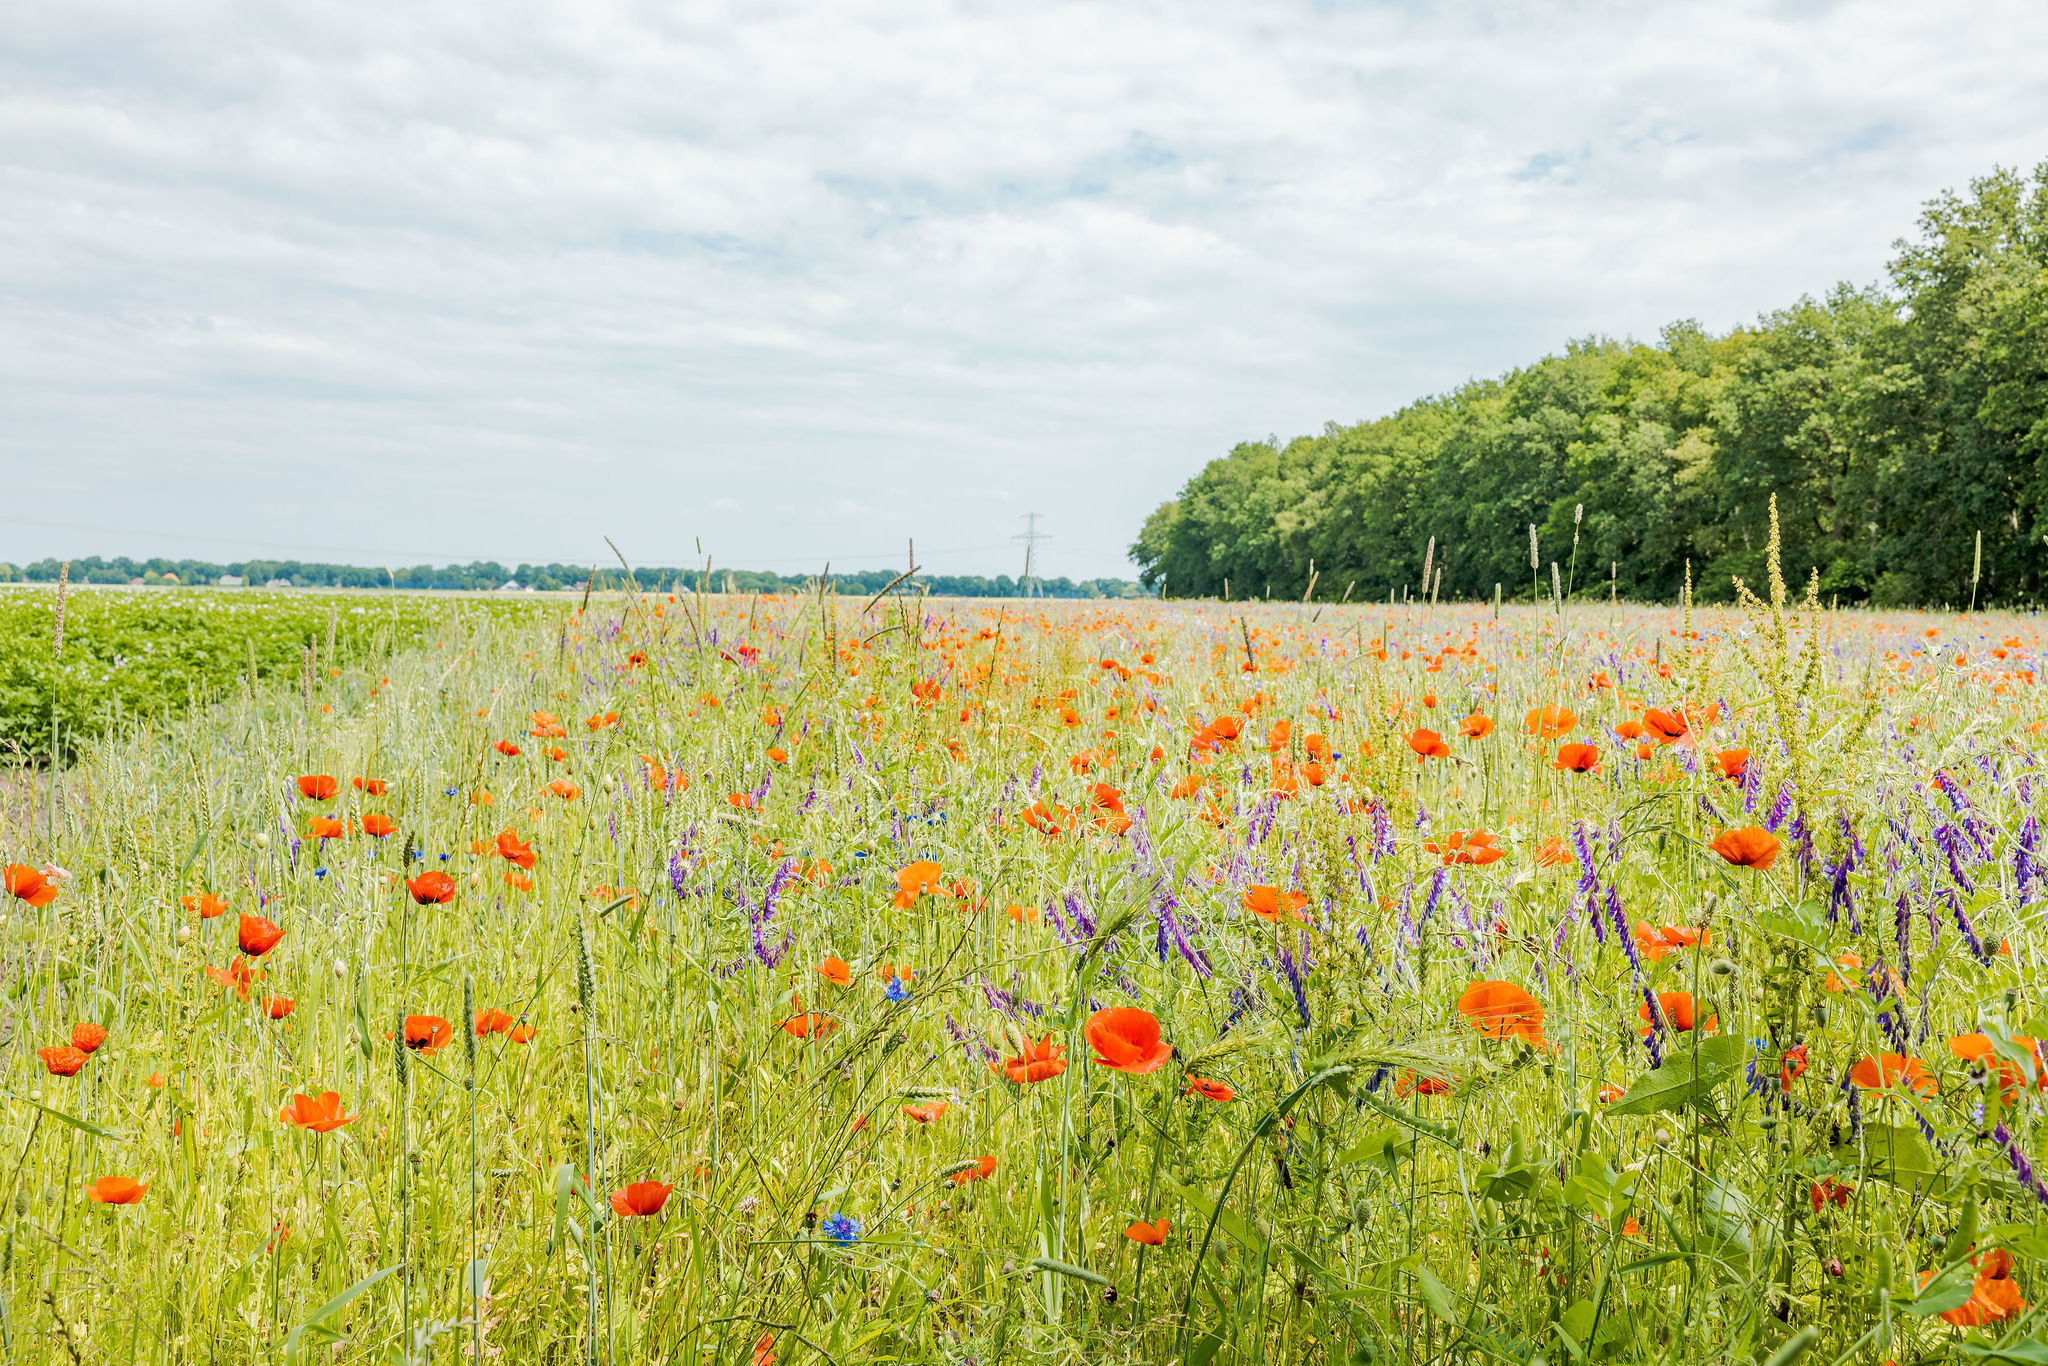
(780, 979)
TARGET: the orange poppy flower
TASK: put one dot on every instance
(62, 1059)
(257, 936)
(1045, 817)
(1502, 1010)
(1151, 1235)
(1973, 1047)
(980, 1171)
(1553, 722)
(433, 888)
(1629, 730)
(1610, 1093)
(427, 1033)
(546, 727)
(1209, 1090)
(1410, 1084)
(373, 786)
(1678, 1011)
(116, 1190)
(206, 903)
(565, 789)
(378, 825)
(240, 975)
(320, 1114)
(1555, 853)
(1126, 1039)
(1270, 903)
(1882, 1071)
(835, 971)
(508, 749)
(26, 884)
(521, 1033)
(810, 1025)
(1653, 944)
(1467, 846)
(1747, 847)
(1039, 1062)
(1994, 1296)
(491, 1020)
(1577, 758)
(1829, 1192)
(777, 755)
(1733, 762)
(86, 1036)
(914, 880)
(318, 787)
(327, 828)
(511, 848)
(1476, 727)
(640, 1200)
(927, 1113)
(277, 1007)
(1665, 727)
(602, 720)
(1427, 744)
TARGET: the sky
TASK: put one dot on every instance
(787, 283)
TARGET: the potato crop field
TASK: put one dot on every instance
(817, 979)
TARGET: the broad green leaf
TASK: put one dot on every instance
(1674, 1085)
(316, 1321)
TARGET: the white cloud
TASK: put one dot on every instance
(433, 281)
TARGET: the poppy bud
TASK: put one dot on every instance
(1721, 967)
(262, 839)
(1833, 1267)
(184, 934)
(1663, 1138)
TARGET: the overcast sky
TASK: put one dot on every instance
(398, 282)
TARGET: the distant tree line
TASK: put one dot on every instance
(1896, 424)
(485, 575)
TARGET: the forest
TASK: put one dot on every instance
(1902, 427)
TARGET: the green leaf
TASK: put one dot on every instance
(2026, 1352)
(82, 1125)
(316, 1322)
(1950, 1290)
(1435, 1294)
(1674, 1085)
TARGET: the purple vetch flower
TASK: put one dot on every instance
(1976, 945)
(2026, 866)
(1582, 845)
(1436, 892)
(1171, 930)
(1950, 839)
(1293, 971)
(975, 1044)
(1775, 817)
(1752, 784)
(1902, 924)
(2022, 1169)
(1621, 932)
(1652, 1036)
(1382, 832)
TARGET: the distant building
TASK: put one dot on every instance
(229, 581)
(170, 578)
(509, 586)
(279, 583)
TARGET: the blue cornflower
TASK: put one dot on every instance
(319, 872)
(444, 858)
(841, 1229)
(895, 990)
(449, 791)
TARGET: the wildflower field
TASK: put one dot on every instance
(805, 979)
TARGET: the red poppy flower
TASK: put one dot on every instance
(601, 720)
(321, 1114)
(206, 903)
(1476, 727)
(318, 786)
(1577, 758)
(641, 1200)
(327, 828)
(1427, 744)
(427, 1033)
(1126, 1039)
(1151, 1235)
(239, 975)
(1665, 727)
(1467, 846)
(810, 1025)
(1748, 847)
(1550, 723)
(1270, 903)
(26, 884)
(377, 824)
(1829, 1192)
(257, 936)
(373, 786)
(1039, 1062)
(1733, 762)
(1678, 1011)
(914, 880)
(980, 1171)
(62, 1059)
(927, 1113)
(508, 749)
(492, 1020)
(116, 1190)
(87, 1036)
(512, 849)
(1502, 1010)
(1210, 1090)
(277, 1007)
(433, 888)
